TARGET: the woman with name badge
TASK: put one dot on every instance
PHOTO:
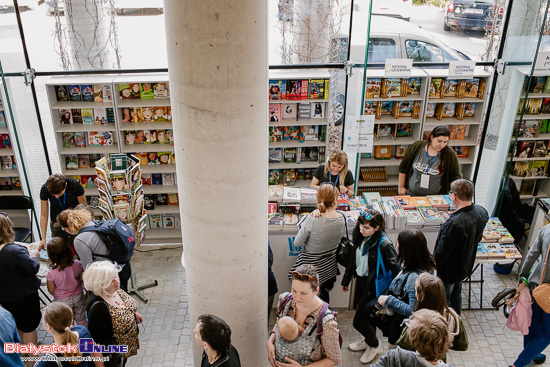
(430, 166)
(335, 172)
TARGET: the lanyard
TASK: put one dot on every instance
(330, 178)
(428, 160)
(64, 198)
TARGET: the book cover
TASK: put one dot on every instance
(80, 138)
(292, 133)
(135, 114)
(87, 91)
(393, 87)
(436, 87)
(525, 149)
(533, 106)
(164, 157)
(94, 138)
(168, 179)
(274, 176)
(316, 88)
(520, 169)
(370, 108)
(382, 151)
(155, 221)
(430, 109)
(130, 137)
(87, 181)
(110, 115)
(461, 151)
(156, 178)
(147, 114)
(421, 201)
(74, 93)
(161, 137)
(124, 91)
(414, 85)
(385, 131)
(304, 110)
(160, 90)
(100, 116)
(135, 92)
(430, 215)
(87, 116)
(405, 201)
(309, 154)
(5, 141)
(545, 107)
(118, 161)
(400, 151)
(275, 155)
(71, 162)
(65, 117)
(161, 199)
(471, 88)
(107, 93)
(2, 118)
(540, 148)
(414, 218)
(98, 93)
(117, 180)
(531, 128)
(318, 110)
(527, 187)
(168, 221)
(451, 86)
(146, 179)
(61, 93)
(403, 130)
(289, 111)
(159, 114)
(469, 109)
(146, 91)
(289, 155)
(275, 89)
(68, 140)
(481, 252)
(6, 162)
(438, 201)
(310, 132)
(275, 112)
(173, 199)
(448, 109)
(406, 108)
(76, 115)
(387, 107)
(510, 251)
(537, 169)
(458, 132)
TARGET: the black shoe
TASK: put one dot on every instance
(540, 359)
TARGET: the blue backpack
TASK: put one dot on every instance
(118, 238)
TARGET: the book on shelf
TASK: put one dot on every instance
(87, 116)
(100, 116)
(80, 138)
(458, 132)
(87, 181)
(98, 93)
(149, 202)
(71, 162)
(309, 154)
(87, 91)
(291, 194)
(68, 140)
(527, 187)
(292, 133)
(403, 130)
(533, 106)
(2, 118)
(276, 89)
(391, 87)
(469, 109)
(61, 93)
(430, 109)
(372, 88)
(146, 90)
(370, 108)
(525, 149)
(168, 220)
(316, 89)
(168, 179)
(6, 162)
(107, 93)
(161, 199)
(65, 116)
(436, 87)
(448, 109)
(289, 111)
(161, 90)
(382, 151)
(290, 155)
(74, 93)
(304, 111)
(156, 179)
(413, 85)
(318, 109)
(289, 177)
(386, 107)
(308, 195)
(385, 131)
(545, 107)
(461, 151)
(76, 115)
(275, 112)
(374, 174)
(406, 108)
(451, 86)
(400, 151)
(541, 149)
(531, 128)
(275, 155)
(275, 192)
(155, 221)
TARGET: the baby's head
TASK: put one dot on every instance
(288, 328)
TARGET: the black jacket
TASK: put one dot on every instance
(456, 245)
(388, 254)
(230, 360)
(100, 324)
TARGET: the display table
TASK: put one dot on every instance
(479, 264)
(285, 255)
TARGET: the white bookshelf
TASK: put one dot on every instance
(321, 124)
(9, 172)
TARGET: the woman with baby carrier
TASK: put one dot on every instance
(319, 337)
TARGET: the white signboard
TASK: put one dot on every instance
(543, 62)
(359, 134)
(398, 67)
(463, 69)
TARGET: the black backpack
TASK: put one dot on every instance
(118, 238)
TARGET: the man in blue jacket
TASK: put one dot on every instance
(456, 245)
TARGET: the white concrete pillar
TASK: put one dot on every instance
(522, 37)
(217, 58)
(88, 26)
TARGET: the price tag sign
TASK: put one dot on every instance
(398, 68)
(359, 134)
(543, 62)
(463, 69)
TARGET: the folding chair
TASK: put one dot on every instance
(22, 204)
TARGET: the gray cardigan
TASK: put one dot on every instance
(403, 358)
(540, 246)
(88, 244)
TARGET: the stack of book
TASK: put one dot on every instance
(374, 174)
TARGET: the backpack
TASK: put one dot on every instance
(320, 319)
(118, 238)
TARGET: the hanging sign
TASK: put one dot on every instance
(358, 137)
(543, 62)
(398, 67)
(463, 69)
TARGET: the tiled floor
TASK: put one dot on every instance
(167, 333)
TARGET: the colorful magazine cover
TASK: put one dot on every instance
(160, 90)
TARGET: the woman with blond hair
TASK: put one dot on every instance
(319, 237)
(19, 285)
(58, 321)
(112, 314)
(88, 244)
(335, 172)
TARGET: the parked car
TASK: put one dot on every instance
(397, 39)
(471, 15)
(400, 9)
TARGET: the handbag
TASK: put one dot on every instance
(383, 280)
(345, 248)
(541, 293)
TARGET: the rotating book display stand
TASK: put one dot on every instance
(121, 196)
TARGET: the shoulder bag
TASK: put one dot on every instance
(541, 294)
(345, 248)
(383, 280)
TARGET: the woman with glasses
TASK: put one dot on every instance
(319, 236)
(19, 285)
(430, 166)
(334, 172)
(306, 308)
(112, 314)
(369, 238)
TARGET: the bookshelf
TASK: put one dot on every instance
(136, 126)
(297, 127)
(10, 178)
(470, 123)
(398, 124)
(531, 157)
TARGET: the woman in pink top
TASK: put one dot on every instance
(65, 278)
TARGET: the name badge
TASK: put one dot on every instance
(425, 181)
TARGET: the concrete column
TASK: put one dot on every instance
(522, 38)
(217, 58)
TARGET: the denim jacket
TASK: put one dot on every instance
(403, 296)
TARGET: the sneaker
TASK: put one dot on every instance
(369, 354)
(358, 345)
(540, 359)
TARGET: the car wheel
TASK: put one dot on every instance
(338, 113)
(445, 26)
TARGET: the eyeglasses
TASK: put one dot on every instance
(368, 216)
(304, 277)
(4, 213)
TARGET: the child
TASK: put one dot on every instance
(65, 278)
(287, 332)
(429, 334)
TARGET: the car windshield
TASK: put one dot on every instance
(381, 49)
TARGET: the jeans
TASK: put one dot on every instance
(454, 296)
(538, 338)
(363, 321)
(325, 288)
